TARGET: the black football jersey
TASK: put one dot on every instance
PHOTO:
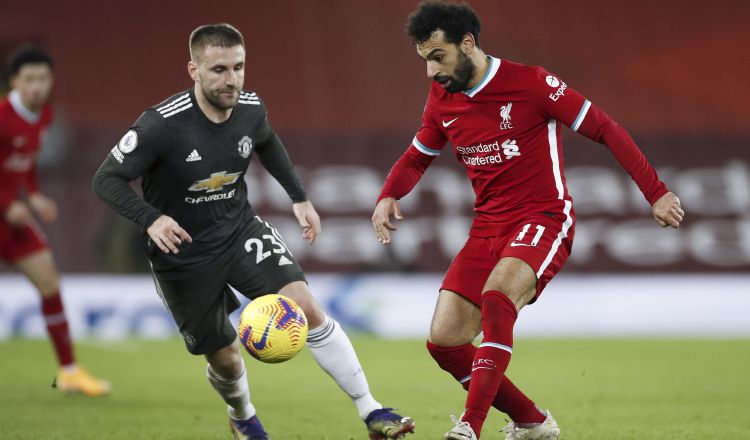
(192, 170)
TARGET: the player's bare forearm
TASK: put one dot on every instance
(381, 218)
(308, 219)
(667, 211)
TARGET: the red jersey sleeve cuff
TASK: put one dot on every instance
(656, 195)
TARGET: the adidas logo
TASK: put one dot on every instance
(193, 157)
(284, 261)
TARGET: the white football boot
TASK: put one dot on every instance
(462, 431)
(547, 430)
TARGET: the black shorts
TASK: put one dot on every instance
(201, 300)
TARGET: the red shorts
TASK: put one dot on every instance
(16, 243)
(542, 241)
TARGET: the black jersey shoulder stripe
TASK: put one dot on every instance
(177, 110)
(174, 103)
(249, 98)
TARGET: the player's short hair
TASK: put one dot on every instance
(28, 54)
(454, 19)
(217, 35)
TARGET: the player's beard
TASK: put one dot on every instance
(214, 97)
(461, 76)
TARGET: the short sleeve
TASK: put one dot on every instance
(557, 100)
(429, 139)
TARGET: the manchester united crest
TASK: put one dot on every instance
(245, 146)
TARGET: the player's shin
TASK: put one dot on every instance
(334, 352)
(57, 327)
(492, 357)
(235, 392)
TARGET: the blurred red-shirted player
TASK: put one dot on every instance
(504, 120)
(25, 115)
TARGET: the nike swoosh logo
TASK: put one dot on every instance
(446, 124)
(514, 244)
(260, 345)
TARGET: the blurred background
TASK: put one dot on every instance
(345, 91)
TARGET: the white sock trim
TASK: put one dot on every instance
(318, 336)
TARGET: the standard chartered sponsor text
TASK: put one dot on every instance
(467, 152)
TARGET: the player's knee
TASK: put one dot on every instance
(226, 362)
(314, 313)
(441, 337)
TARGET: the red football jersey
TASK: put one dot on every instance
(21, 134)
(506, 132)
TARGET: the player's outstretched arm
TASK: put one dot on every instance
(667, 211)
(167, 234)
(381, 218)
(308, 219)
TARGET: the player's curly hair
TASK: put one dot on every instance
(27, 54)
(455, 19)
(217, 35)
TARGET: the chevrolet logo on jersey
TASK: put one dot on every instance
(216, 182)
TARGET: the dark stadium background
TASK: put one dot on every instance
(345, 91)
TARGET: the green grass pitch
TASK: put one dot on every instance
(598, 389)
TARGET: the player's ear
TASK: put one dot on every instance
(468, 44)
(192, 70)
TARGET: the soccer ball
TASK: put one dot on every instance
(273, 328)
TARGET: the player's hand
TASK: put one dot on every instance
(18, 214)
(167, 234)
(308, 219)
(667, 211)
(381, 218)
(44, 206)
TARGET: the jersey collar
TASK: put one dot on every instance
(488, 75)
(27, 115)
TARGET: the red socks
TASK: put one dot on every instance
(57, 327)
(509, 399)
(514, 402)
(492, 357)
(455, 360)
(485, 376)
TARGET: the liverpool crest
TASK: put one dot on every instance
(505, 114)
